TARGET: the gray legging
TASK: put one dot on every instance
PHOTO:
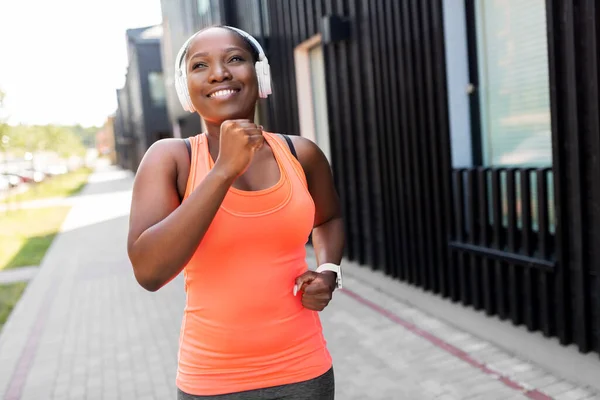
(319, 388)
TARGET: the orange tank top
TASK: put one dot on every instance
(243, 329)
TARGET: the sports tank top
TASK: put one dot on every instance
(243, 328)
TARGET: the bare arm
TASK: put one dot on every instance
(163, 234)
(328, 232)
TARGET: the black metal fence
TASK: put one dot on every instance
(503, 244)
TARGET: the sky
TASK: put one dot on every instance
(61, 61)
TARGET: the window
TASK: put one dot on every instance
(157, 88)
(501, 47)
(512, 58)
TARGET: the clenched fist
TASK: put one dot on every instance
(316, 288)
(239, 140)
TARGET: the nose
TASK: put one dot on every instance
(219, 73)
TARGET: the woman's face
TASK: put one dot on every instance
(221, 76)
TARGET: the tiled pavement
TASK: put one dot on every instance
(85, 330)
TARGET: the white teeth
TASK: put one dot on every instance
(222, 93)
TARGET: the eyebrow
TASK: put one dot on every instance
(227, 50)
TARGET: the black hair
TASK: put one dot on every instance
(249, 46)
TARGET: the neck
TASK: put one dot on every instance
(213, 133)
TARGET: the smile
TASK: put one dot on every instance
(223, 93)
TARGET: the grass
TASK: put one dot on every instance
(57, 186)
(9, 295)
(26, 234)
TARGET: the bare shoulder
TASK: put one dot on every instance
(308, 152)
(166, 150)
(166, 159)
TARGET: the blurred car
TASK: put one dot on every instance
(13, 179)
(31, 176)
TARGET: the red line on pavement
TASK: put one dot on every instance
(19, 377)
(533, 394)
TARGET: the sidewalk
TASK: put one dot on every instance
(84, 329)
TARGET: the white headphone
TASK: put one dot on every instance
(263, 72)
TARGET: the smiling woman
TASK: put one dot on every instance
(233, 208)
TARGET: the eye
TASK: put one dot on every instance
(198, 65)
(236, 59)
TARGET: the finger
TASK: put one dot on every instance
(305, 278)
(317, 287)
(256, 141)
(315, 305)
(323, 297)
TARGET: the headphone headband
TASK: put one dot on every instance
(262, 67)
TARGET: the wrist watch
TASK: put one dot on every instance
(334, 268)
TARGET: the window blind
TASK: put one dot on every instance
(513, 82)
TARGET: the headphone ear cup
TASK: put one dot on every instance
(188, 99)
(263, 75)
(182, 92)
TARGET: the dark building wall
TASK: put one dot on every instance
(156, 120)
(574, 37)
(126, 154)
(143, 118)
(136, 108)
(388, 119)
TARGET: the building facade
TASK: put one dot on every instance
(105, 140)
(141, 118)
(464, 139)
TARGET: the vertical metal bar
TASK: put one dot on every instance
(421, 144)
(402, 149)
(393, 242)
(408, 131)
(384, 244)
(279, 97)
(566, 121)
(497, 243)
(442, 151)
(459, 207)
(428, 144)
(392, 110)
(359, 123)
(292, 42)
(487, 284)
(473, 238)
(338, 94)
(302, 21)
(311, 18)
(455, 235)
(529, 274)
(413, 99)
(371, 157)
(474, 108)
(514, 276)
(592, 13)
(546, 315)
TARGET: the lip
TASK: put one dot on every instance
(235, 90)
